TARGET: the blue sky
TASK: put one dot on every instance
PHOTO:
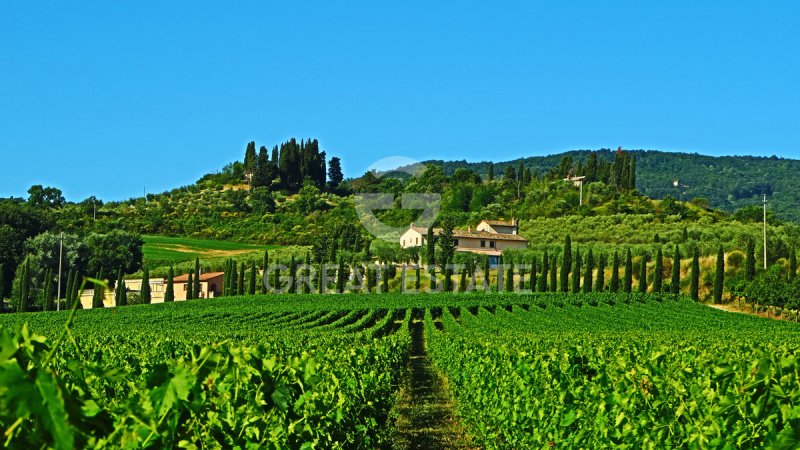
(107, 98)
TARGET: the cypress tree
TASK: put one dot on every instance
(266, 264)
(47, 292)
(600, 283)
(490, 175)
(123, 293)
(719, 276)
(566, 264)
(293, 275)
(77, 285)
(659, 271)
(462, 283)
(307, 274)
(643, 275)
(628, 281)
(99, 293)
(25, 285)
(251, 281)
(276, 275)
(169, 293)
(417, 282)
(189, 284)
(576, 273)
(615, 273)
(694, 289)
(750, 261)
(675, 286)
(197, 273)
(118, 289)
(448, 280)
(486, 275)
(553, 269)
(68, 291)
(509, 287)
(430, 242)
(534, 277)
(543, 278)
(431, 278)
(587, 278)
(385, 273)
(145, 292)
(240, 286)
(792, 265)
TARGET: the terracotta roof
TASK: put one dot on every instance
(487, 235)
(203, 277)
(504, 223)
(424, 231)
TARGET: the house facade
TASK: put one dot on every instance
(490, 238)
(211, 285)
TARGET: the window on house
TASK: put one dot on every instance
(417, 241)
(455, 242)
(185, 285)
(491, 244)
(483, 244)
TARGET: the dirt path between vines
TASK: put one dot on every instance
(425, 415)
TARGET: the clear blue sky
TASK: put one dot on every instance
(104, 98)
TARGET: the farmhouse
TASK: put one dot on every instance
(489, 238)
(210, 285)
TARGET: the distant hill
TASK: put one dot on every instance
(728, 182)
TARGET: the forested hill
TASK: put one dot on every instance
(728, 182)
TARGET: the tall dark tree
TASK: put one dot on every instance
(169, 292)
(631, 181)
(68, 290)
(591, 168)
(340, 276)
(542, 286)
(614, 286)
(266, 265)
(628, 280)
(447, 244)
(643, 274)
(600, 282)
(240, 286)
(307, 274)
(675, 285)
(719, 276)
(509, 281)
(417, 281)
(658, 275)
(566, 263)
(24, 286)
(250, 156)
(589, 271)
(533, 276)
(750, 261)
(430, 243)
(146, 296)
(99, 293)
(490, 175)
(694, 288)
(792, 264)
(47, 292)
(486, 275)
(335, 175)
(190, 285)
(264, 170)
(251, 280)
(196, 285)
(576, 273)
(293, 276)
(118, 289)
(385, 278)
(123, 293)
(553, 269)
(2, 281)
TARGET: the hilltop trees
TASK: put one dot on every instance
(335, 175)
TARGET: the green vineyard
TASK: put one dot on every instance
(313, 371)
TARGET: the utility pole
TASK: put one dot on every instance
(60, 259)
(765, 231)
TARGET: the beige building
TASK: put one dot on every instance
(489, 238)
(210, 285)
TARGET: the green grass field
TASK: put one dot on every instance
(176, 250)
